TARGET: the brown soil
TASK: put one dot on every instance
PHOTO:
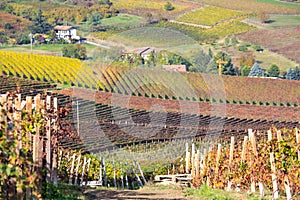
(144, 193)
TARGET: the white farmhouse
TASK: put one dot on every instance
(66, 32)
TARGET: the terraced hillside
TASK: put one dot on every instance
(152, 83)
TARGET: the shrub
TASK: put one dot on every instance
(168, 6)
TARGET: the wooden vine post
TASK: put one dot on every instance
(187, 158)
(193, 160)
(244, 148)
(218, 159)
(273, 168)
(230, 160)
(54, 143)
(253, 144)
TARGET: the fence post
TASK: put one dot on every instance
(273, 168)
(28, 107)
(253, 144)
(187, 158)
(193, 160)
(218, 158)
(54, 143)
(72, 169)
(76, 170)
(244, 148)
(230, 160)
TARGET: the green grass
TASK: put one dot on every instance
(122, 20)
(206, 193)
(284, 20)
(152, 36)
(279, 3)
(45, 49)
(279, 21)
(268, 58)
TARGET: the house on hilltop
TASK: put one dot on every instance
(144, 52)
(67, 33)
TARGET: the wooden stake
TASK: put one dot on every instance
(197, 164)
(253, 141)
(287, 188)
(142, 174)
(72, 169)
(244, 148)
(269, 135)
(76, 170)
(274, 177)
(218, 158)
(231, 150)
(186, 158)
(48, 151)
(83, 170)
(261, 189)
(187, 164)
(279, 137)
(193, 159)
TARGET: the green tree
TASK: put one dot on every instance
(273, 71)
(245, 70)
(74, 51)
(3, 4)
(95, 18)
(228, 67)
(168, 6)
(40, 24)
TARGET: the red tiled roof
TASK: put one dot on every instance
(63, 28)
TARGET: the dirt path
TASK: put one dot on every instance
(144, 193)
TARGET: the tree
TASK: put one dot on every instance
(227, 67)
(168, 6)
(245, 70)
(74, 51)
(40, 24)
(273, 71)
(290, 75)
(256, 70)
(247, 59)
(234, 41)
(95, 18)
(3, 4)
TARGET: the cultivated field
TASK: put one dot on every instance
(152, 83)
(270, 6)
(284, 41)
(209, 15)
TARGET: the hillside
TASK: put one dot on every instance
(152, 83)
(11, 24)
(285, 41)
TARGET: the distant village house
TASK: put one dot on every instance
(144, 52)
(67, 33)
